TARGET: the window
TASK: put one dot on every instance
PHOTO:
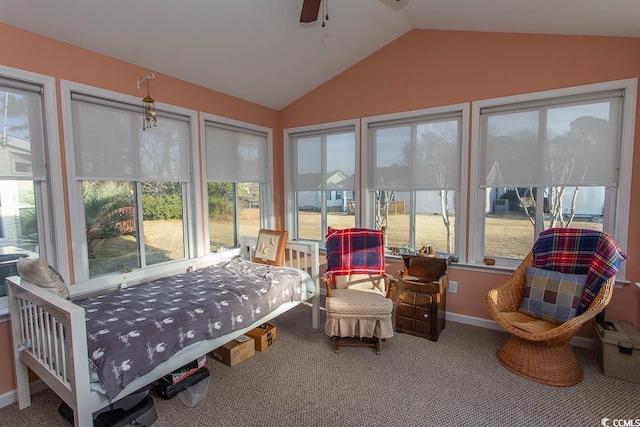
(132, 186)
(237, 175)
(553, 159)
(25, 182)
(322, 162)
(415, 176)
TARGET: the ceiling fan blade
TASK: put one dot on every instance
(310, 10)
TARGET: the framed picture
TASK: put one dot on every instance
(270, 247)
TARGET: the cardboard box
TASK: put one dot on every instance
(618, 349)
(264, 335)
(188, 369)
(235, 351)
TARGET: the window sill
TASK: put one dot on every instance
(498, 269)
(620, 283)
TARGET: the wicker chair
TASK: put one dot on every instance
(544, 356)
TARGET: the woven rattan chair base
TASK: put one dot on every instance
(554, 365)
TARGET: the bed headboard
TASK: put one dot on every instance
(301, 255)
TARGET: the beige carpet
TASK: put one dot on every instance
(456, 381)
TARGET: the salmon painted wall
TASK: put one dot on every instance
(31, 52)
(427, 68)
(419, 70)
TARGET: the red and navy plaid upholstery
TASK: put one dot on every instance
(579, 251)
(355, 251)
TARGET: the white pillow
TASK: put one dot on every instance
(38, 272)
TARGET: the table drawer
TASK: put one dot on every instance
(413, 298)
(409, 324)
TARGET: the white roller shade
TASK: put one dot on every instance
(109, 143)
(22, 153)
(417, 154)
(235, 154)
(324, 160)
(568, 142)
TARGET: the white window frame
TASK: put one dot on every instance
(49, 194)
(367, 199)
(291, 223)
(616, 225)
(267, 217)
(76, 204)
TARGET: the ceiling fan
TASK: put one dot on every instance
(310, 9)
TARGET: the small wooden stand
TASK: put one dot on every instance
(421, 292)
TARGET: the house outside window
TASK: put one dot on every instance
(237, 175)
(415, 177)
(321, 161)
(550, 159)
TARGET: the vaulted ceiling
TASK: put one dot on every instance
(259, 51)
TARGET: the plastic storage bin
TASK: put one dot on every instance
(618, 349)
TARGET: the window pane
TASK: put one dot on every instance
(341, 161)
(248, 209)
(571, 144)
(436, 157)
(581, 140)
(341, 212)
(234, 155)
(435, 220)
(18, 226)
(308, 165)
(222, 219)
(309, 215)
(576, 207)
(509, 229)
(392, 165)
(109, 143)
(110, 223)
(511, 213)
(163, 226)
(392, 211)
(21, 136)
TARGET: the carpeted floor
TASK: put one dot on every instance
(457, 381)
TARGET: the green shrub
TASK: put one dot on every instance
(162, 207)
(220, 208)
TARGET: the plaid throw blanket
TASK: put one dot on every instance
(354, 251)
(579, 251)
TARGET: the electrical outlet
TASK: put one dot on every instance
(453, 287)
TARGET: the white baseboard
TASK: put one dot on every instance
(491, 324)
(11, 397)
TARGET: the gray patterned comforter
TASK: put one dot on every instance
(131, 331)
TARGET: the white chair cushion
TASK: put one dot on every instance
(356, 302)
(363, 282)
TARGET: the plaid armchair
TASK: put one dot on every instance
(358, 290)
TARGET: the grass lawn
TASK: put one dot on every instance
(510, 235)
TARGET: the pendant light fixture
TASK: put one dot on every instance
(149, 117)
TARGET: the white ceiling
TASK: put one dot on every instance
(257, 49)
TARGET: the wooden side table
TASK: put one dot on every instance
(421, 292)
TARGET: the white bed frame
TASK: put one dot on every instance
(56, 331)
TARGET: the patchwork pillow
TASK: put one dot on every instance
(39, 272)
(550, 295)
